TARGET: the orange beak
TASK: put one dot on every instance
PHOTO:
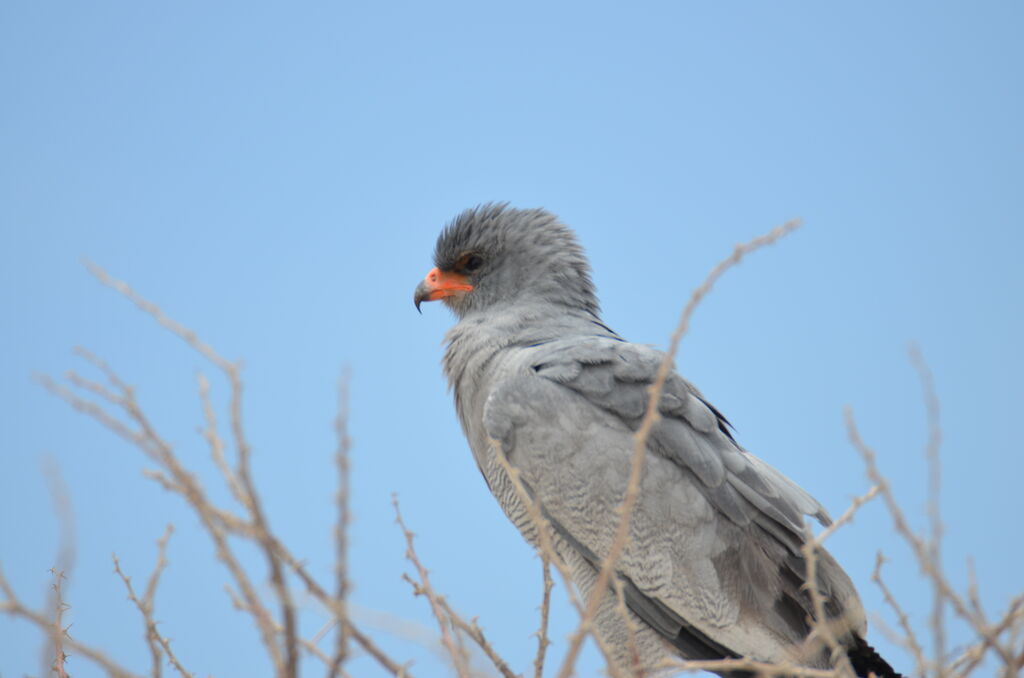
(440, 284)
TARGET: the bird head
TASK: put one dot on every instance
(493, 256)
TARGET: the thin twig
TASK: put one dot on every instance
(636, 666)
(848, 515)
(909, 637)
(917, 545)
(150, 443)
(539, 532)
(288, 666)
(545, 611)
(424, 588)
(58, 632)
(12, 605)
(821, 625)
(320, 594)
(932, 449)
(173, 476)
(472, 629)
(989, 639)
(54, 657)
(154, 639)
(216, 444)
(541, 528)
(341, 459)
(261, 527)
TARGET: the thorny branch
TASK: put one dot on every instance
(12, 605)
(288, 665)
(545, 612)
(156, 641)
(218, 522)
(54, 657)
(1002, 637)
(909, 637)
(341, 459)
(932, 449)
(423, 587)
(927, 552)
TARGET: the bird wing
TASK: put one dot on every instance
(713, 562)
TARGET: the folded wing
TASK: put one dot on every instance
(714, 560)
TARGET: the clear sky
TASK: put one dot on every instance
(275, 175)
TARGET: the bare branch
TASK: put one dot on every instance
(154, 639)
(261, 528)
(821, 626)
(176, 328)
(909, 637)
(288, 666)
(932, 448)
(317, 591)
(58, 632)
(917, 545)
(14, 607)
(341, 459)
(472, 629)
(545, 611)
(424, 588)
(216, 443)
(53, 655)
(847, 516)
(177, 479)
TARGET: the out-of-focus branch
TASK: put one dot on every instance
(154, 639)
(472, 629)
(172, 475)
(545, 611)
(932, 450)
(917, 545)
(288, 665)
(446, 616)
(847, 516)
(314, 588)
(423, 587)
(341, 460)
(909, 636)
(54, 657)
(822, 628)
(821, 625)
(13, 606)
(145, 437)
(58, 632)
(636, 667)
(927, 553)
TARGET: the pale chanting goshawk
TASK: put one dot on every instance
(713, 567)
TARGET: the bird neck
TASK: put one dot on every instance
(473, 343)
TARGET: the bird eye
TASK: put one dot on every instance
(472, 262)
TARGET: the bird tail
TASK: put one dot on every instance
(867, 662)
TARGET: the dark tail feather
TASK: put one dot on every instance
(866, 661)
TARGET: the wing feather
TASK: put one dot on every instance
(616, 376)
(717, 532)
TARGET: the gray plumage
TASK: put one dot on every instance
(713, 567)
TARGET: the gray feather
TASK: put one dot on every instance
(713, 565)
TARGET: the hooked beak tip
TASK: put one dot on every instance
(421, 294)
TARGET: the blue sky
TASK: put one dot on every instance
(274, 176)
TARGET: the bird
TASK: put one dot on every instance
(714, 566)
